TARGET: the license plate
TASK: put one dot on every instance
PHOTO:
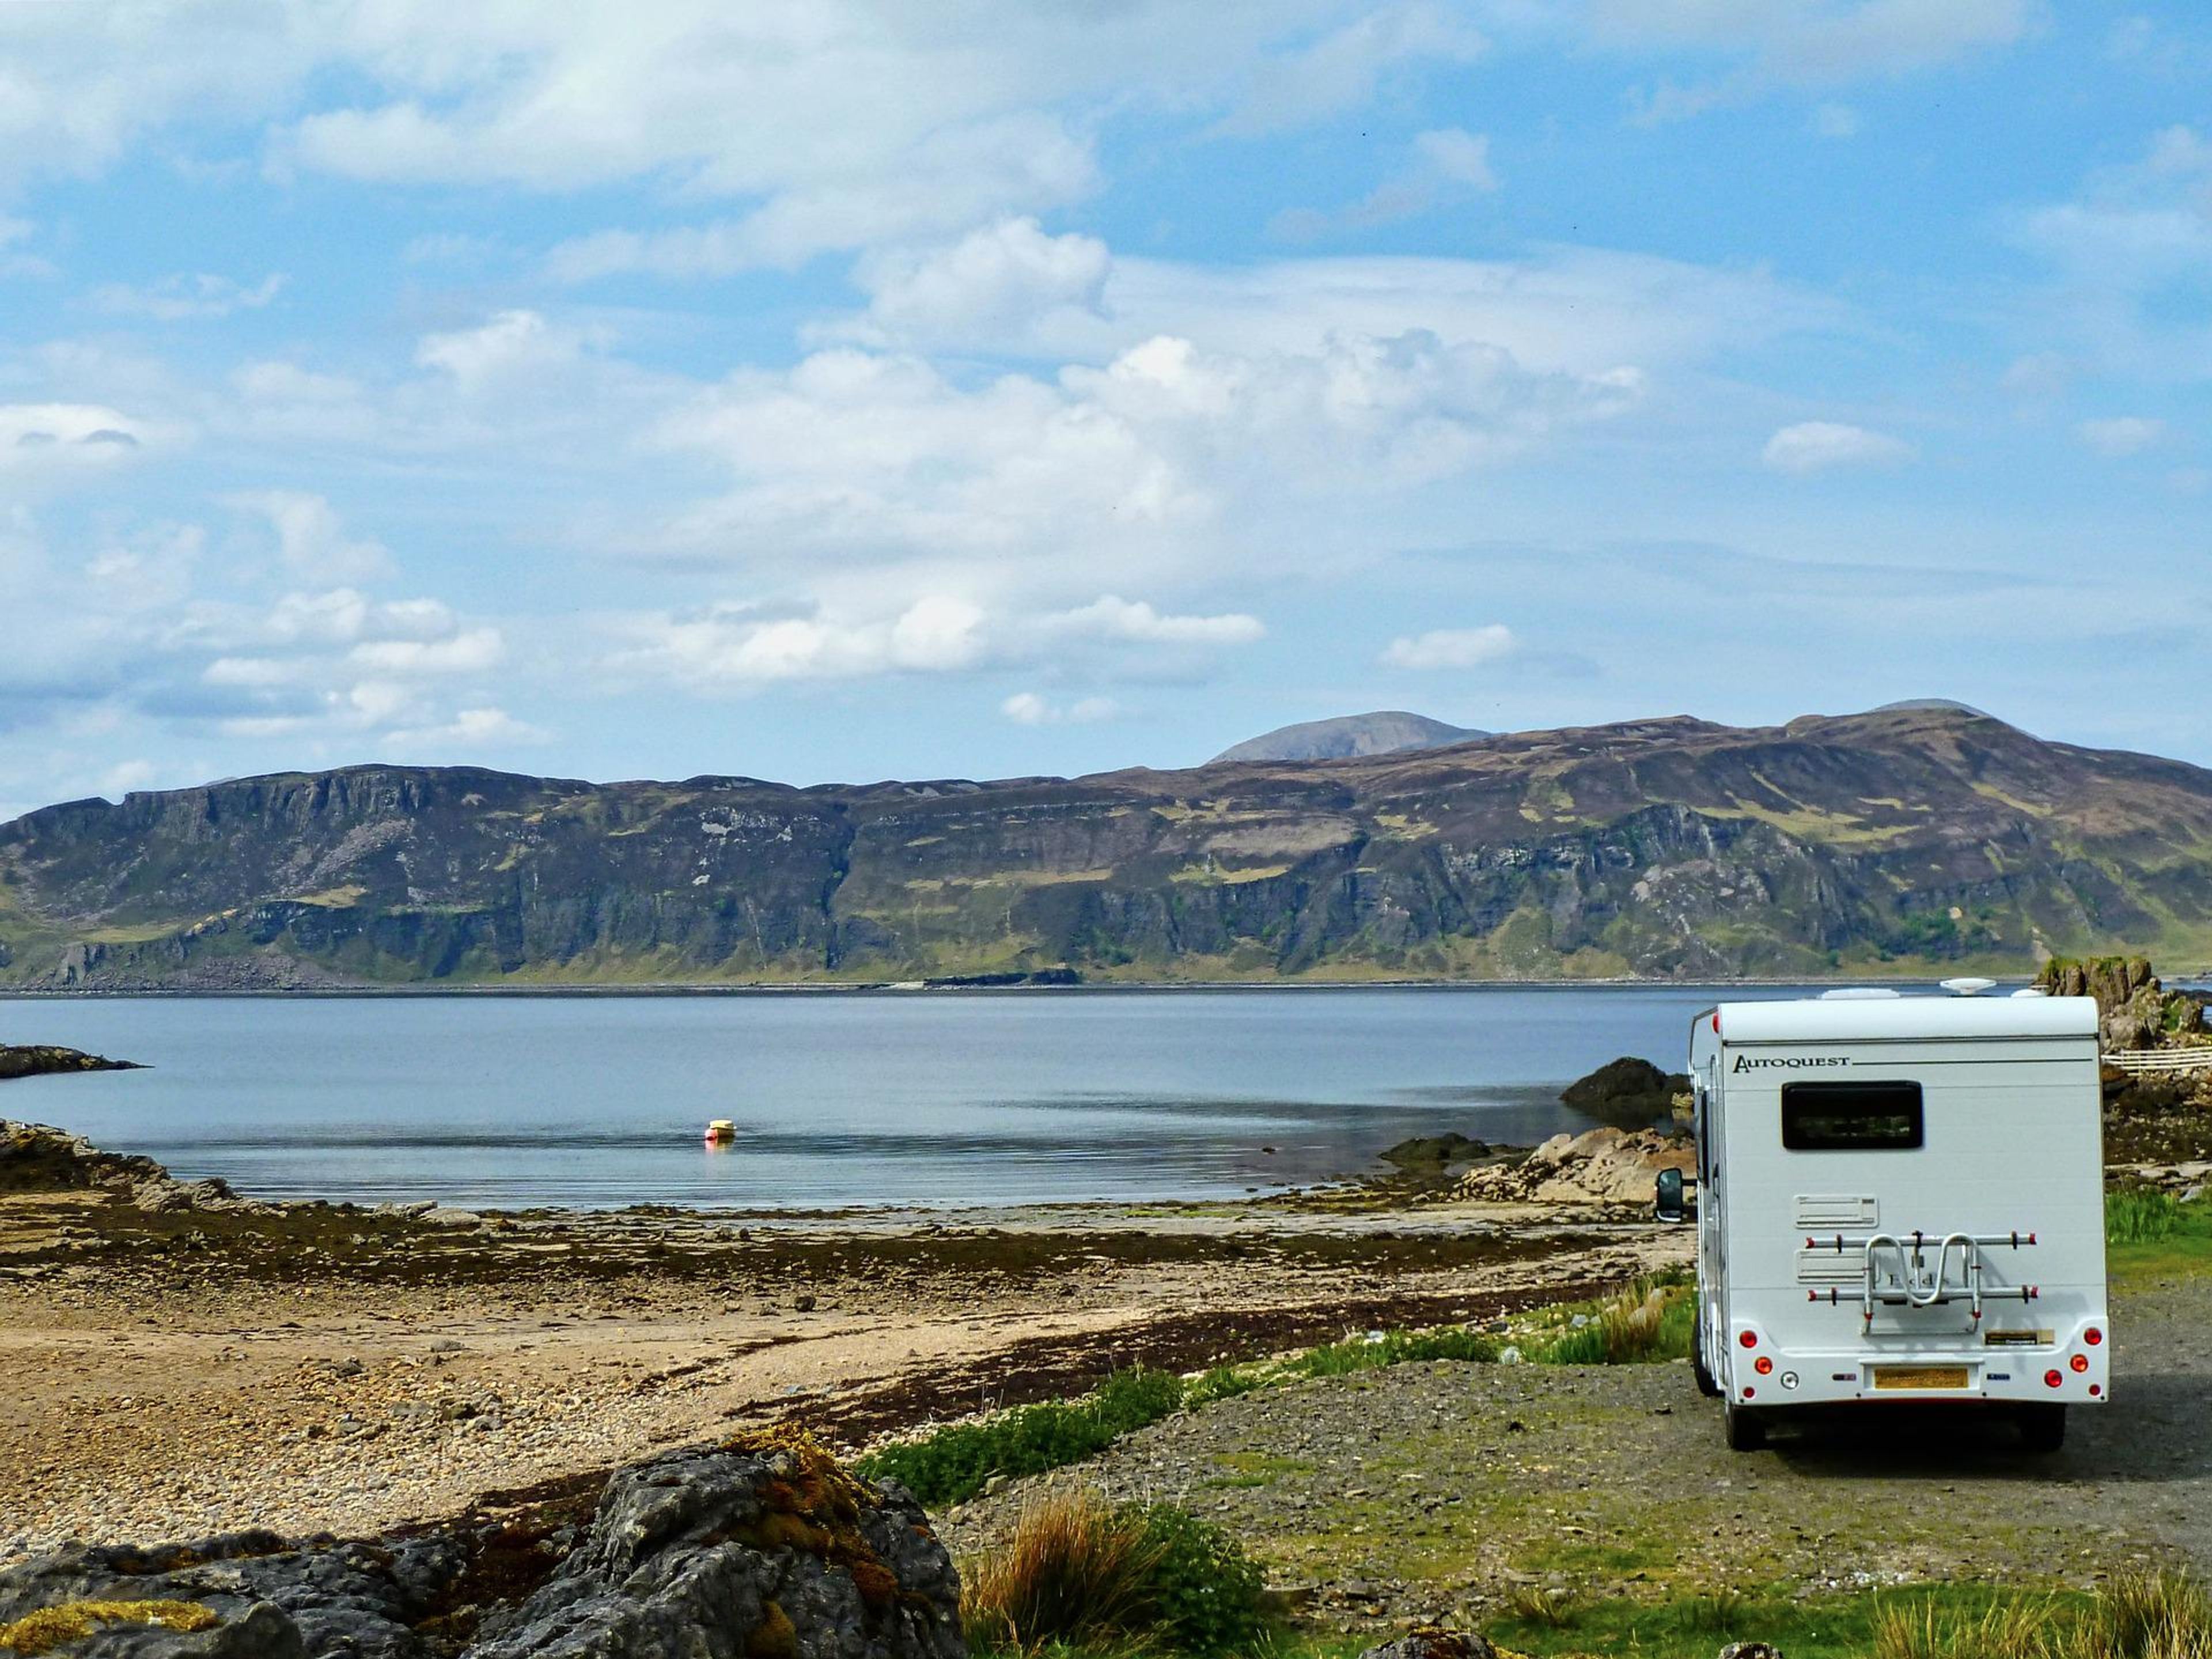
(1920, 1376)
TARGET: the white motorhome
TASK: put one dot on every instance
(1900, 1198)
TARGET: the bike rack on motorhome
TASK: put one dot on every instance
(1900, 1198)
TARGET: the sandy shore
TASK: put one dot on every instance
(315, 1368)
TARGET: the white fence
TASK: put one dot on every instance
(2161, 1063)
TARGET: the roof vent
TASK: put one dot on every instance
(1968, 987)
(1859, 994)
(2030, 991)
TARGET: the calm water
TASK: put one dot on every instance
(891, 1099)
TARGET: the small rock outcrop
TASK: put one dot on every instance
(39, 1060)
(1628, 1093)
(762, 1549)
(1606, 1167)
(1429, 1641)
(1436, 1153)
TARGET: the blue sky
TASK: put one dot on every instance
(841, 390)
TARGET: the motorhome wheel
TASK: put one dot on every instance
(1703, 1372)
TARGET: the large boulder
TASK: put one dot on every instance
(734, 1554)
(1628, 1093)
(765, 1548)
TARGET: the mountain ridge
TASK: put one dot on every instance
(1669, 846)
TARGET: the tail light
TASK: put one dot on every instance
(1764, 1367)
(1749, 1339)
(2053, 1378)
(2079, 1362)
(2092, 1336)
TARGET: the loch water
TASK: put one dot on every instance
(839, 1099)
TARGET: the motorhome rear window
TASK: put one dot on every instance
(1850, 1117)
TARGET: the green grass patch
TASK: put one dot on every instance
(1649, 1321)
(955, 1463)
(2152, 1235)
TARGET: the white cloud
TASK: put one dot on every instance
(512, 350)
(1003, 282)
(139, 637)
(1112, 617)
(449, 247)
(1018, 163)
(1028, 708)
(744, 645)
(2040, 376)
(1812, 446)
(287, 384)
(16, 263)
(2129, 255)
(1340, 68)
(1819, 41)
(186, 297)
(471, 653)
(77, 94)
(1579, 311)
(879, 460)
(1445, 165)
(311, 539)
(469, 732)
(55, 439)
(2122, 434)
(1451, 648)
(120, 779)
(146, 569)
(1834, 121)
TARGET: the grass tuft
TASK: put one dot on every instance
(1072, 1571)
(1078, 1573)
(1649, 1322)
(2140, 1215)
(1554, 1608)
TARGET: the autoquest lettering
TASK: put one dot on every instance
(1789, 1062)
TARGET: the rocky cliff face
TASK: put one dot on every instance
(1908, 838)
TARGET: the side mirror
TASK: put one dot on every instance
(1667, 1203)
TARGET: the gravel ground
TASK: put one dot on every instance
(1424, 1491)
